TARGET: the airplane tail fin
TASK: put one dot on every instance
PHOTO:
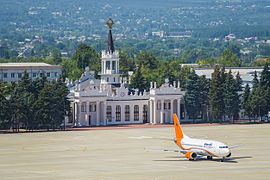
(179, 134)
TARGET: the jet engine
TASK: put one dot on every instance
(191, 155)
(229, 155)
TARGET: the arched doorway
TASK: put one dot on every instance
(89, 120)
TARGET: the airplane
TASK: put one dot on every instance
(193, 148)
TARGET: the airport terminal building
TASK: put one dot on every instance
(109, 100)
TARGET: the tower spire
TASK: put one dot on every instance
(110, 47)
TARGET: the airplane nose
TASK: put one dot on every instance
(225, 153)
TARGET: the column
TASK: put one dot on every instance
(113, 113)
(131, 106)
(116, 67)
(122, 113)
(104, 64)
(155, 111)
(179, 108)
(75, 114)
(141, 113)
(110, 65)
(98, 113)
(87, 108)
(78, 114)
(151, 111)
(105, 113)
(171, 116)
(162, 111)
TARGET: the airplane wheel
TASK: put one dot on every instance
(209, 157)
(222, 160)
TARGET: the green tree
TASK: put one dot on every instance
(126, 63)
(239, 82)
(138, 81)
(44, 106)
(4, 110)
(204, 93)
(246, 101)
(56, 56)
(192, 100)
(231, 98)
(87, 56)
(255, 81)
(216, 95)
(184, 72)
(70, 69)
(265, 77)
(258, 101)
(228, 58)
(148, 60)
(61, 106)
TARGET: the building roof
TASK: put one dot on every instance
(27, 65)
(246, 73)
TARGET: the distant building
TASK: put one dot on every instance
(158, 33)
(246, 73)
(109, 100)
(192, 65)
(229, 37)
(13, 72)
(181, 34)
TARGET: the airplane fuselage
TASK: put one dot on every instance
(204, 147)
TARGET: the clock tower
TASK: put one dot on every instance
(110, 74)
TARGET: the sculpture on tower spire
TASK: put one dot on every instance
(110, 47)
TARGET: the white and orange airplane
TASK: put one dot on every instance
(192, 148)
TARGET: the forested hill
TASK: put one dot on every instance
(35, 27)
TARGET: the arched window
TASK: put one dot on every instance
(165, 105)
(92, 107)
(136, 113)
(107, 65)
(127, 113)
(113, 65)
(118, 113)
(158, 105)
(109, 113)
(145, 115)
(83, 107)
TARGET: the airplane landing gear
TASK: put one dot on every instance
(209, 157)
(222, 160)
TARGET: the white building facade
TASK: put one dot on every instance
(109, 101)
(13, 72)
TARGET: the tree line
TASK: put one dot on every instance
(222, 97)
(33, 105)
(256, 100)
(218, 98)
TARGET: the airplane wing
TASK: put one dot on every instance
(148, 137)
(166, 150)
(235, 146)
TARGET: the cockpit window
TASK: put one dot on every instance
(223, 147)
